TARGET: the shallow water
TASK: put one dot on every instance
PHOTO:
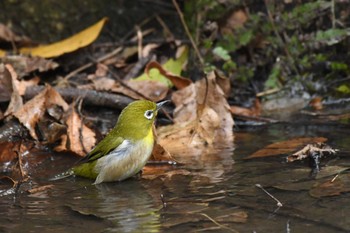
(210, 193)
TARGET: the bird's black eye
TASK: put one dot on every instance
(149, 114)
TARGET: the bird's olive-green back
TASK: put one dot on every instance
(132, 125)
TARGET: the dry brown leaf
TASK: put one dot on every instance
(310, 149)
(24, 84)
(234, 21)
(7, 151)
(316, 103)
(163, 171)
(79, 139)
(16, 101)
(285, 147)
(159, 153)
(34, 109)
(202, 118)
(254, 111)
(5, 84)
(178, 81)
(103, 83)
(25, 65)
(332, 187)
(151, 89)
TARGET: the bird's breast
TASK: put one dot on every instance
(124, 161)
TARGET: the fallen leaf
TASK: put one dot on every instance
(16, 101)
(331, 188)
(23, 84)
(80, 139)
(159, 153)
(168, 73)
(285, 147)
(68, 45)
(234, 21)
(7, 151)
(8, 35)
(254, 111)
(34, 109)
(202, 119)
(103, 83)
(310, 150)
(151, 172)
(176, 80)
(224, 83)
(316, 103)
(25, 65)
(5, 84)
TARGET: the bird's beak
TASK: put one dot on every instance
(160, 104)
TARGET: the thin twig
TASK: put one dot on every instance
(279, 204)
(165, 28)
(182, 18)
(335, 177)
(218, 224)
(84, 67)
(139, 41)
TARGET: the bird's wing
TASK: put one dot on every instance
(109, 143)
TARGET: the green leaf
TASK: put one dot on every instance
(332, 36)
(222, 53)
(173, 66)
(345, 89)
(273, 79)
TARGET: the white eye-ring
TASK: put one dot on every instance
(149, 114)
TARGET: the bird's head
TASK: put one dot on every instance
(136, 120)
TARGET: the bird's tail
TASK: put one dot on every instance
(62, 175)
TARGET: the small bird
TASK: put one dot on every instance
(126, 148)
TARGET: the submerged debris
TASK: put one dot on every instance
(314, 152)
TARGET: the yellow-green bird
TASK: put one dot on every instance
(126, 148)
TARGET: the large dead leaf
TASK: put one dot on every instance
(79, 139)
(285, 147)
(34, 110)
(25, 65)
(16, 101)
(68, 45)
(202, 119)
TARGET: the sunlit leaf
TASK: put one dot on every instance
(345, 89)
(70, 44)
(168, 73)
(222, 53)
